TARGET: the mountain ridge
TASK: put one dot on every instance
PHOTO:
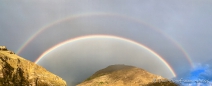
(17, 71)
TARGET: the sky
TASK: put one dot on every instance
(179, 31)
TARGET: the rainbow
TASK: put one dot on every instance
(106, 36)
(26, 43)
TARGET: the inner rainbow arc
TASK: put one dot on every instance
(107, 36)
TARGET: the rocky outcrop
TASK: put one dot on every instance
(17, 71)
(123, 75)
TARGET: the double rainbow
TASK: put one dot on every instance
(73, 17)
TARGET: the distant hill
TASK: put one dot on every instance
(124, 75)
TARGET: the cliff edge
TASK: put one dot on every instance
(17, 71)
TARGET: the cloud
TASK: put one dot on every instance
(201, 74)
(201, 71)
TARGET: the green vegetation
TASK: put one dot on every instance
(101, 83)
(95, 76)
(168, 83)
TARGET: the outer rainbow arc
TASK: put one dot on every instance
(106, 36)
(183, 50)
(46, 27)
(172, 40)
(102, 14)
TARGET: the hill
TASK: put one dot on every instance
(17, 71)
(124, 75)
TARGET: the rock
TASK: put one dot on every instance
(124, 75)
(17, 71)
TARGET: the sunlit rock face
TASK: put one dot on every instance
(16, 71)
(124, 75)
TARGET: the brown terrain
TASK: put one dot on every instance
(124, 75)
(17, 71)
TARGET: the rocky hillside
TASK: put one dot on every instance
(123, 75)
(17, 71)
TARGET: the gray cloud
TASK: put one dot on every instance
(187, 22)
